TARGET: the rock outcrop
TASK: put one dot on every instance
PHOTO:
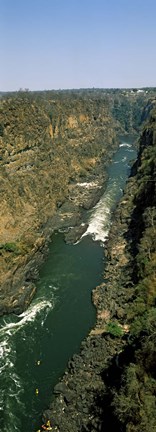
(50, 144)
(47, 145)
(112, 383)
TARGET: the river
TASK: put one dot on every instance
(36, 345)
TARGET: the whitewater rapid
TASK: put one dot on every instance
(25, 327)
(11, 383)
(100, 219)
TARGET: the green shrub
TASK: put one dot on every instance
(10, 247)
(114, 329)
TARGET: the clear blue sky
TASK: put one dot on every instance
(52, 44)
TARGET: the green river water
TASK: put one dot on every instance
(36, 346)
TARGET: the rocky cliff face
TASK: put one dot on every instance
(47, 145)
(112, 383)
(50, 142)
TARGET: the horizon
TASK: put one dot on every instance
(27, 90)
(71, 44)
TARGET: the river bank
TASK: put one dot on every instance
(61, 314)
(48, 146)
(69, 216)
(80, 400)
(33, 338)
(19, 288)
(105, 386)
(50, 142)
(73, 406)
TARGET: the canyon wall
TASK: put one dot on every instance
(50, 142)
(47, 145)
(112, 383)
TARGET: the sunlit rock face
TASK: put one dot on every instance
(50, 142)
(47, 145)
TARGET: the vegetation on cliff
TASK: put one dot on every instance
(111, 385)
(133, 392)
(48, 142)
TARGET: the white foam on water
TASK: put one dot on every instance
(33, 310)
(89, 185)
(122, 160)
(125, 145)
(11, 384)
(100, 220)
(26, 317)
(5, 354)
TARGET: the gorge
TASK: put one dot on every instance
(42, 192)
